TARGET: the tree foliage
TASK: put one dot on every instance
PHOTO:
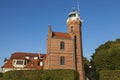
(107, 56)
(110, 75)
(89, 70)
(86, 66)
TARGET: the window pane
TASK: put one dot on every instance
(72, 15)
(62, 45)
(62, 60)
(31, 57)
(19, 63)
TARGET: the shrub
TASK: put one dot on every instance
(110, 75)
(1, 75)
(41, 75)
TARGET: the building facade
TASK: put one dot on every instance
(24, 61)
(64, 50)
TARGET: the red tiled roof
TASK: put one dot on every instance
(33, 64)
(8, 64)
(22, 55)
(61, 35)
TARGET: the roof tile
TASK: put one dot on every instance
(61, 35)
(22, 55)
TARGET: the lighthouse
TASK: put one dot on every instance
(74, 25)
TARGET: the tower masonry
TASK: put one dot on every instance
(74, 24)
(64, 50)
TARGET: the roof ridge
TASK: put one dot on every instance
(61, 32)
(25, 52)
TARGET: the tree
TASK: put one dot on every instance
(89, 70)
(107, 56)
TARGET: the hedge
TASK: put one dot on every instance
(41, 75)
(110, 75)
(1, 75)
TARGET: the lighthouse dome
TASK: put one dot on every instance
(74, 15)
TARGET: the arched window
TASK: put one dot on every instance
(62, 45)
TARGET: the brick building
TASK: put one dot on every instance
(64, 50)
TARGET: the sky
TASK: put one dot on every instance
(24, 23)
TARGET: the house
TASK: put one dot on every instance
(64, 51)
(24, 61)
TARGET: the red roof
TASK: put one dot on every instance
(32, 63)
(61, 35)
(8, 64)
(22, 55)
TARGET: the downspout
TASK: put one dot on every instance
(74, 53)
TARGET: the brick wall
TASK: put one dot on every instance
(54, 53)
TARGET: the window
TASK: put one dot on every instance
(25, 62)
(62, 60)
(62, 45)
(71, 28)
(72, 15)
(40, 63)
(19, 62)
(31, 57)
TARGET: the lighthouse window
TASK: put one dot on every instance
(72, 15)
(71, 28)
(62, 45)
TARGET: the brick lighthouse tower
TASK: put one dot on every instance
(64, 50)
(74, 29)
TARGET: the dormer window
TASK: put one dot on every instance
(31, 57)
(19, 62)
(27, 57)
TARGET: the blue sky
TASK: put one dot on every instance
(24, 23)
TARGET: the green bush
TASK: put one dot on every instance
(59, 75)
(41, 75)
(0, 74)
(110, 75)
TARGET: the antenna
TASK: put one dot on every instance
(39, 54)
(78, 6)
